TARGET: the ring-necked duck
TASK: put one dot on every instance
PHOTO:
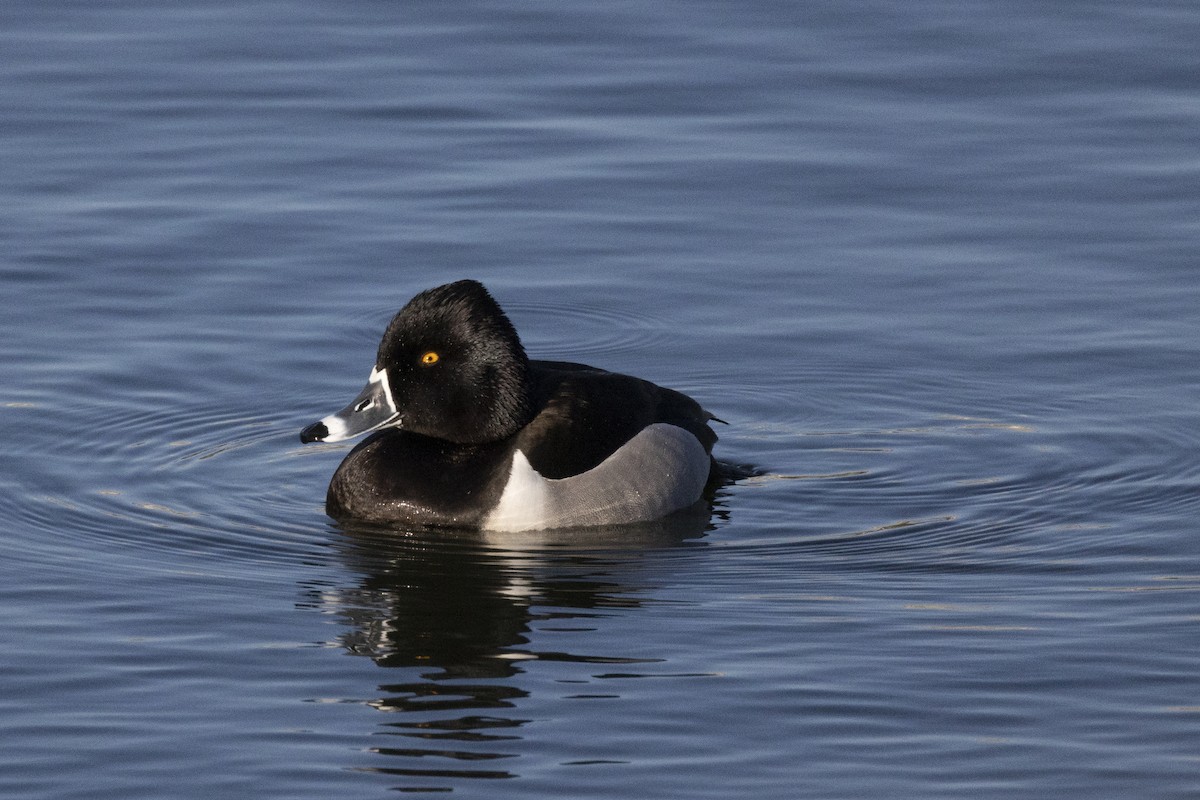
(471, 433)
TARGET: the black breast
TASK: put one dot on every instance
(397, 476)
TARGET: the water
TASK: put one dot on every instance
(935, 264)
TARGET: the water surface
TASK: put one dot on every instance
(935, 264)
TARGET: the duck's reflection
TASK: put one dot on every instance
(454, 614)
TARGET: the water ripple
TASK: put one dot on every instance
(560, 331)
(1021, 492)
(160, 486)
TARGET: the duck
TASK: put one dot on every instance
(466, 431)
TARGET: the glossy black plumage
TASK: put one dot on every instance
(447, 460)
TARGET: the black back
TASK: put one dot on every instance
(584, 414)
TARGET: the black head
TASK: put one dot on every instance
(455, 366)
(450, 366)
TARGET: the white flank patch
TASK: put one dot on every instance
(523, 504)
(662, 469)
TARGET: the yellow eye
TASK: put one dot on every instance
(429, 359)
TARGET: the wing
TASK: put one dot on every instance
(586, 414)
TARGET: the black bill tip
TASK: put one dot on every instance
(314, 433)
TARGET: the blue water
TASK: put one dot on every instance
(936, 264)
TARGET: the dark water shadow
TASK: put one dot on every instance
(450, 616)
